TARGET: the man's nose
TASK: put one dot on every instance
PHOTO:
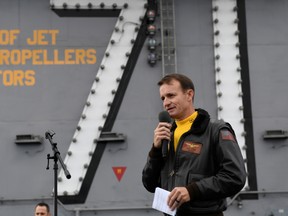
(166, 102)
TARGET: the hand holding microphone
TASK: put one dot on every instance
(162, 132)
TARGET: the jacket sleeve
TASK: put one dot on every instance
(152, 170)
(230, 174)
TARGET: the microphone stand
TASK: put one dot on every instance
(56, 158)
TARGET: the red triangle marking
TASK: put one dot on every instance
(119, 172)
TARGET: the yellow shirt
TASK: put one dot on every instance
(182, 127)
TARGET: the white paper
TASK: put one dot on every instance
(160, 201)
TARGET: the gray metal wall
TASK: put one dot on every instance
(58, 97)
(268, 53)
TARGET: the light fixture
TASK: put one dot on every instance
(152, 58)
(151, 44)
(151, 30)
(151, 16)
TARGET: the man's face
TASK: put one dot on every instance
(177, 102)
(41, 211)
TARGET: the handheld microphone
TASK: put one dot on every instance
(164, 117)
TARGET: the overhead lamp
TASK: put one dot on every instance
(152, 58)
(151, 44)
(151, 30)
(151, 15)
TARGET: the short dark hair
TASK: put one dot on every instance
(185, 82)
(43, 204)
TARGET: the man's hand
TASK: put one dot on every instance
(177, 197)
(161, 132)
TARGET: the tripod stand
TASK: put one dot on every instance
(56, 158)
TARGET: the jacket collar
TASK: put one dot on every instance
(200, 124)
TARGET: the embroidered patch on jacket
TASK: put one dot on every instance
(192, 147)
(227, 135)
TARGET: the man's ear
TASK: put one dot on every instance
(190, 94)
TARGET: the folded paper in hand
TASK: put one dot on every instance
(160, 201)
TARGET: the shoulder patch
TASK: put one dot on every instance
(227, 135)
